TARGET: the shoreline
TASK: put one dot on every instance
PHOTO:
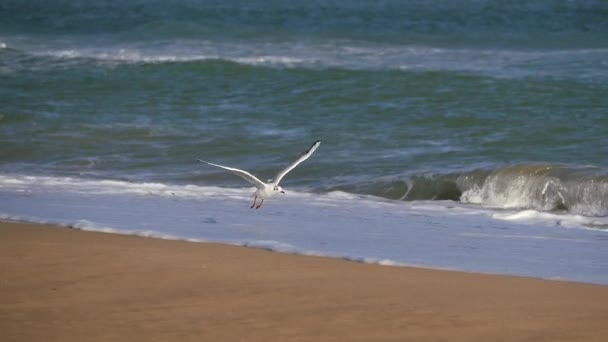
(65, 284)
(375, 262)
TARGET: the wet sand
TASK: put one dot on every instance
(59, 284)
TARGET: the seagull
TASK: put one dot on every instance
(265, 190)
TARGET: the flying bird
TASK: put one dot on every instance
(266, 190)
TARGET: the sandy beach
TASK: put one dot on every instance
(59, 284)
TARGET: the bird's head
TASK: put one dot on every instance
(278, 189)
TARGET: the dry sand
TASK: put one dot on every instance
(58, 284)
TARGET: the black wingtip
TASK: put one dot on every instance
(311, 146)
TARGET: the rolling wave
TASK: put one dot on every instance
(323, 54)
(581, 190)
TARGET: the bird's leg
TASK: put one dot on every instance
(254, 199)
(260, 205)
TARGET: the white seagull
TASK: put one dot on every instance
(265, 190)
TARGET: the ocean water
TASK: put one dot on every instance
(467, 135)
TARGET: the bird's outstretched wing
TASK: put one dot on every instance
(302, 158)
(241, 173)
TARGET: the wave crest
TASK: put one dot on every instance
(546, 187)
(579, 190)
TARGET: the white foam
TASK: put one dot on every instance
(531, 216)
(21, 183)
(341, 54)
(128, 56)
(270, 245)
(519, 194)
(273, 61)
(91, 226)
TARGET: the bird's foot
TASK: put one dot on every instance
(260, 205)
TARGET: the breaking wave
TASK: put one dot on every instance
(578, 190)
(581, 190)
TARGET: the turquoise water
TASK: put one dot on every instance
(413, 100)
